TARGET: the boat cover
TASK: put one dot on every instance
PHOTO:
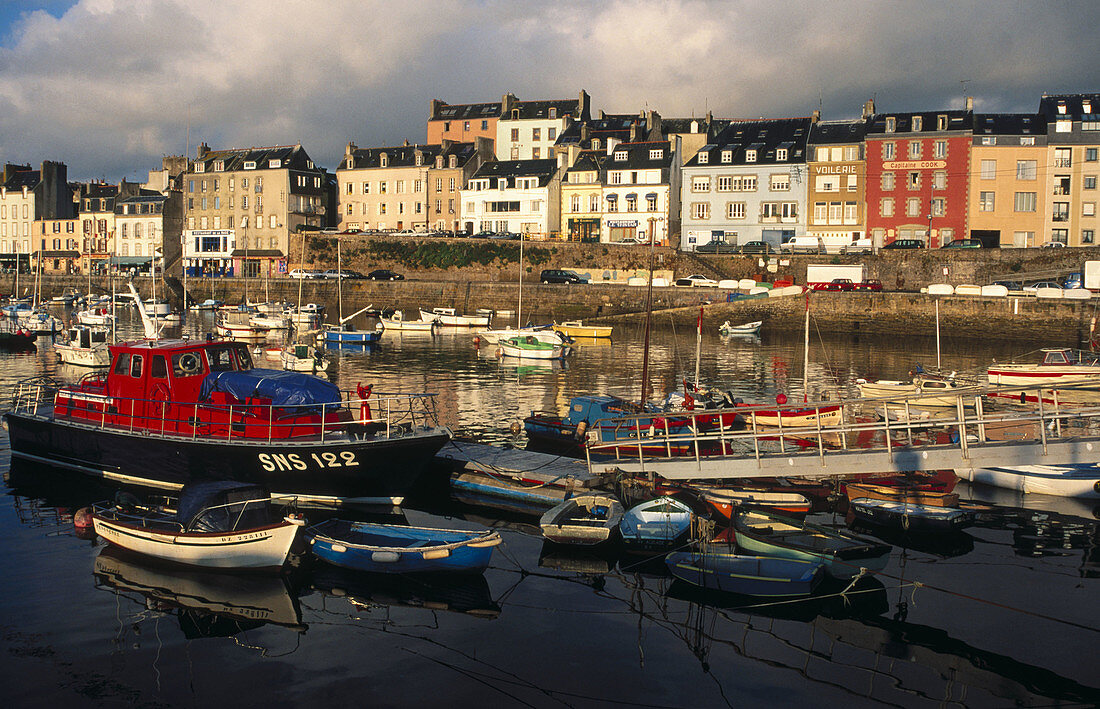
(223, 506)
(283, 388)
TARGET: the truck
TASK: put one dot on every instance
(1092, 275)
(825, 273)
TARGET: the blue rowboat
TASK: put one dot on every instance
(747, 575)
(842, 553)
(347, 335)
(657, 524)
(395, 549)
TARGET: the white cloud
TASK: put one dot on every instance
(111, 85)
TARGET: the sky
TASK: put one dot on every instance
(111, 86)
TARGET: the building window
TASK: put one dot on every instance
(986, 201)
(851, 213)
(821, 213)
(912, 207)
(939, 180)
(651, 203)
(551, 133)
(727, 156)
(891, 124)
(914, 149)
(1089, 182)
(724, 183)
(989, 140)
(989, 169)
(535, 153)
(1025, 202)
(1088, 236)
(656, 154)
(750, 156)
(887, 182)
(835, 210)
(780, 183)
(536, 134)
(1060, 212)
(594, 203)
(620, 155)
(575, 203)
(703, 158)
(1062, 157)
(632, 203)
(700, 184)
(939, 206)
(888, 151)
(1026, 169)
(939, 149)
(918, 124)
(912, 180)
(1088, 209)
(735, 210)
(1090, 154)
(781, 154)
(700, 210)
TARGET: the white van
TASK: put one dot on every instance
(859, 246)
(803, 244)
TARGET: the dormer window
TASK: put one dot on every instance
(781, 154)
(750, 156)
(249, 164)
(553, 112)
(703, 158)
(384, 160)
(419, 159)
(727, 156)
(438, 162)
(620, 155)
(1086, 106)
(917, 123)
(941, 122)
(595, 143)
(219, 165)
(200, 167)
(1062, 108)
(891, 124)
(502, 183)
(452, 161)
(274, 163)
(656, 154)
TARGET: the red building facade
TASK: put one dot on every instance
(918, 175)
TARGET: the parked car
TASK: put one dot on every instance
(1032, 287)
(629, 240)
(963, 244)
(837, 284)
(871, 284)
(716, 246)
(483, 234)
(561, 275)
(1074, 280)
(1010, 285)
(333, 274)
(1052, 245)
(304, 274)
(803, 244)
(697, 280)
(757, 247)
(905, 244)
(385, 274)
(859, 246)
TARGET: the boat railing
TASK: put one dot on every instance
(147, 515)
(382, 413)
(978, 418)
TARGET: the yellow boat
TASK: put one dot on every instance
(574, 328)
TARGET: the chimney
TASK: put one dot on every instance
(612, 143)
(433, 108)
(203, 150)
(969, 103)
(602, 114)
(815, 117)
(868, 109)
(352, 147)
(507, 103)
(583, 106)
(584, 133)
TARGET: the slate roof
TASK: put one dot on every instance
(24, 178)
(637, 156)
(1075, 106)
(839, 132)
(1010, 124)
(290, 156)
(956, 120)
(512, 169)
(589, 161)
(405, 155)
(764, 136)
(610, 126)
(529, 110)
(466, 111)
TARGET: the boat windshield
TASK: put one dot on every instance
(229, 357)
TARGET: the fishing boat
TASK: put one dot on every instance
(583, 520)
(39, 322)
(270, 322)
(208, 304)
(1082, 480)
(85, 346)
(727, 500)
(237, 324)
(396, 549)
(921, 391)
(576, 328)
(168, 411)
(824, 415)
(542, 334)
(15, 338)
(658, 524)
(746, 575)
(216, 524)
(306, 316)
(1060, 366)
(907, 495)
(16, 308)
(98, 315)
(302, 358)
(397, 321)
(530, 347)
(593, 419)
(347, 334)
(749, 328)
(843, 554)
(447, 317)
(910, 517)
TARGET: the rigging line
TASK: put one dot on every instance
(471, 675)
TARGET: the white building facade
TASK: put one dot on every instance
(520, 196)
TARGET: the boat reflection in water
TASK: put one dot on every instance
(457, 593)
(206, 603)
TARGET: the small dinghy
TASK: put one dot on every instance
(657, 524)
(910, 517)
(216, 524)
(908, 495)
(749, 328)
(746, 575)
(583, 520)
(725, 500)
(396, 549)
(842, 553)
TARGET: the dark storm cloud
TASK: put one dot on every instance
(111, 85)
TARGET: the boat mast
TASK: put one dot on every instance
(519, 308)
(698, 345)
(648, 315)
(339, 283)
(298, 318)
(806, 355)
(937, 336)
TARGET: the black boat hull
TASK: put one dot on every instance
(342, 469)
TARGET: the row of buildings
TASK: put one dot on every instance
(554, 170)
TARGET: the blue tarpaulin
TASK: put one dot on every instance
(283, 388)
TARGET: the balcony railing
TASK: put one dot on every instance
(1060, 217)
(1063, 162)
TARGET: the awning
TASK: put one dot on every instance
(130, 260)
(651, 195)
(257, 253)
(632, 195)
(57, 254)
(611, 197)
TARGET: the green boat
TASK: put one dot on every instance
(530, 347)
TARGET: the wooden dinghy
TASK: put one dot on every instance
(663, 523)
(912, 496)
(396, 549)
(910, 517)
(583, 520)
(725, 500)
(746, 575)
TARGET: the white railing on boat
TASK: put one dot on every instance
(388, 414)
(980, 430)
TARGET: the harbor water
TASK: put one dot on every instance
(1002, 614)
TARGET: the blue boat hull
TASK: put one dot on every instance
(357, 337)
(392, 549)
(746, 575)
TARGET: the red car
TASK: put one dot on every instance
(871, 284)
(837, 284)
